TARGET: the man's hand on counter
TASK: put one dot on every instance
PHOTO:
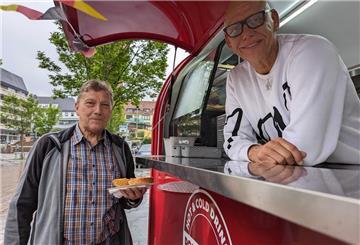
(282, 174)
(276, 151)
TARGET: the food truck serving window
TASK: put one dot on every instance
(202, 97)
(194, 89)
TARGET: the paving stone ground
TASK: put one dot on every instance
(10, 171)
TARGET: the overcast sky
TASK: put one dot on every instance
(21, 38)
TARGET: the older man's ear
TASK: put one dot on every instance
(76, 106)
(276, 20)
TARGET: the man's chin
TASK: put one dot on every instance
(96, 129)
(251, 57)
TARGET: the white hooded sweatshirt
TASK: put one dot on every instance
(307, 98)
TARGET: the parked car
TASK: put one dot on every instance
(144, 150)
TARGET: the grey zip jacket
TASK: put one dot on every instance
(36, 211)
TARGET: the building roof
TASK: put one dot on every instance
(67, 104)
(143, 105)
(145, 108)
(13, 81)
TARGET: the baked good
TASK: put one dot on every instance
(120, 182)
(132, 181)
(141, 180)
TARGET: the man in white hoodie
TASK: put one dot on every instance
(292, 100)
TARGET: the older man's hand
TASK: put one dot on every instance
(276, 151)
(133, 193)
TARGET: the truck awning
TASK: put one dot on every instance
(185, 24)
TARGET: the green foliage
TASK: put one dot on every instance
(25, 116)
(147, 140)
(134, 69)
(17, 113)
(132, 135)
(117, 118)
(140, 134)
(45, 119)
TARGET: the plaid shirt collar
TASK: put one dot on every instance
(78, 137)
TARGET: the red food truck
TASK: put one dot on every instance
(200, 196)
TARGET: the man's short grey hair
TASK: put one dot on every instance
(96, 85)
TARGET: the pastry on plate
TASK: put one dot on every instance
(132, 181)
(120, 182)
(141, 180)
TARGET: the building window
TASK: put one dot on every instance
(128, 116)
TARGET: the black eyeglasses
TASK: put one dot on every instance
(253, 22)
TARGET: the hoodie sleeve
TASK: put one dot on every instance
(238, 133)
(318, 79)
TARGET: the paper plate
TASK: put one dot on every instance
(118, 188)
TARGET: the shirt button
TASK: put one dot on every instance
(92, 223)
(94, 165)
(93, 183)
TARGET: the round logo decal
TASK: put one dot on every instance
(203, 221)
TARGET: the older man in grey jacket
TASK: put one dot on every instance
(62, 195)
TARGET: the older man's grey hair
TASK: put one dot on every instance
(96, 85)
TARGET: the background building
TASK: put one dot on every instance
(10, 84)
(138, 125)
(68, 115)
(139, 117)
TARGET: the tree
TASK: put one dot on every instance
(17, 114)
(117, 118)
(134, 69)
(45, 119)
(146, 140)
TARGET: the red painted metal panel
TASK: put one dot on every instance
(164, 219)
(185, 24)
(159, 112)
(205, 216)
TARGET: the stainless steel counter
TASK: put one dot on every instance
(322, 199)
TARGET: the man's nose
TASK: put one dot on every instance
(246, 32)
(97, 109)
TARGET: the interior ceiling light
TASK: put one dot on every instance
(302, 7)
